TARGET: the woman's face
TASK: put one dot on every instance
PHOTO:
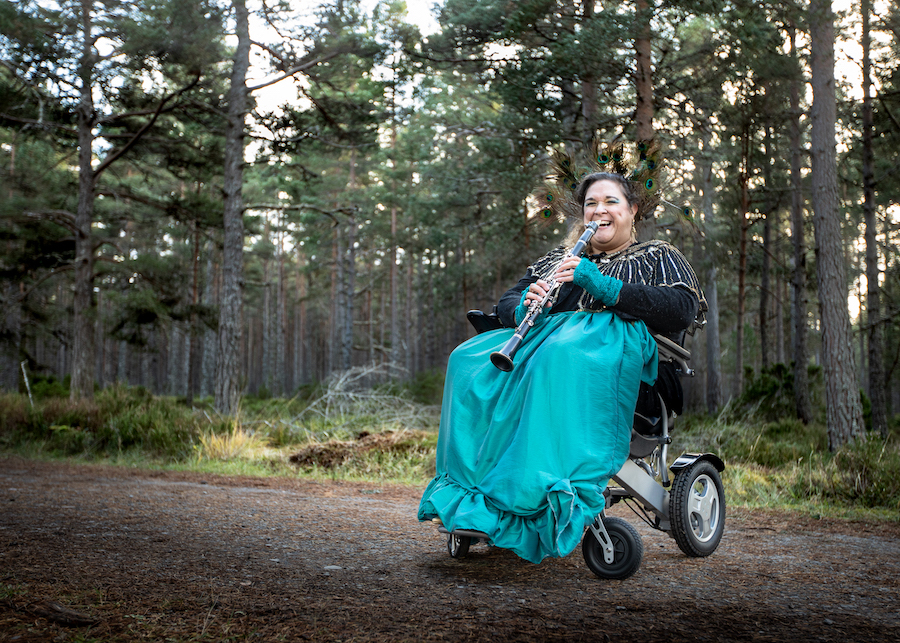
(605, 203)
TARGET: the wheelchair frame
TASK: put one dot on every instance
(689, 505)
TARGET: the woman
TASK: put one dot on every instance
(525, 456)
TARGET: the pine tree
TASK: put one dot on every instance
(844, 412)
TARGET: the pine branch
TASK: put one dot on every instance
(39, 123)
(296, 69)
(112, 158)
(61, 217)
(22, 296)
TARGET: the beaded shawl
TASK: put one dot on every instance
(652, 263)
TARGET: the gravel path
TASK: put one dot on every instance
(157, 556)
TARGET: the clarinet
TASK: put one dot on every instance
(503, 359)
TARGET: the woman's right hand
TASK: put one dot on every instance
(536, 292)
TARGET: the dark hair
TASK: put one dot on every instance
(590, 179)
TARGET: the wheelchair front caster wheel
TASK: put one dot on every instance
(697, 508)
(628, 550)
(458, 546)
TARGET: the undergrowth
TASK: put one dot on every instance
(787, 463)
(347, 428)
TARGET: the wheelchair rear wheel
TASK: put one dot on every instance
(697, 507)
(458, 546)
(628, 550)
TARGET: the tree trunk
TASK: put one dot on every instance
(99, 345)
(348, 287)
(82, 385)
(643, 81)
(588, 87)
(643, 85)
(779, 314)
(210, 299)
(412, 329)
(430, 319)
(175, 359)
(874, 334)
(711, 329)
(799, 351)
(267, 322)
(742, 262)
(842, 401)
(229, 345)
(765, 289)
(122, 374)
(301, 364)
(281, 322)
(193, 354)
(10, 372)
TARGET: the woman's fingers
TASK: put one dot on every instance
(537, 290)
(566, 271)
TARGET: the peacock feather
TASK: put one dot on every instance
(642, 164)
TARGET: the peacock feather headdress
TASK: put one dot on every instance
(642, 165)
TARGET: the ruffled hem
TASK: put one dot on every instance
(554, 530)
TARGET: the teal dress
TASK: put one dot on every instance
(524, 456)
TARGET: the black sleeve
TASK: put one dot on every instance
(506, 307)
(665, 309)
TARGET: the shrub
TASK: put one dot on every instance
(769, 395)
(118, 419)
(868, 472)
(45, 386)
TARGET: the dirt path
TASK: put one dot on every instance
(169, 556)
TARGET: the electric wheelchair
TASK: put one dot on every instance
(688, 504)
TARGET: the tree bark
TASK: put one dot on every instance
(842, 401)
(643, 81)
(268, 327)
(643, 84)
(281, 321)
(301, 352)
(348, 287)
(193, 353)
(711, 329)
(228, 371)
(875, 333)
(765, 286)
(210, 340)
(394, 278)
(799, 351)
(588, 87)
(82, 384)
(412, 328)
(742, 261)
(10, 372)
(765, 290)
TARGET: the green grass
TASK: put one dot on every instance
(126, 426)
(384, 435)
(786, 464)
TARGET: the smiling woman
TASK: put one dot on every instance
(524, 456)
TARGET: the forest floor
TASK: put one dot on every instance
(95, 553)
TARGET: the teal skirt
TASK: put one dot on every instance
(524, 456)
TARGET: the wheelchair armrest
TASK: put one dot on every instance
(483, 322)
(671, 351)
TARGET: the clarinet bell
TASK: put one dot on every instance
(501, 361)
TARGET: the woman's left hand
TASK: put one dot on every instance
(566, 270)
